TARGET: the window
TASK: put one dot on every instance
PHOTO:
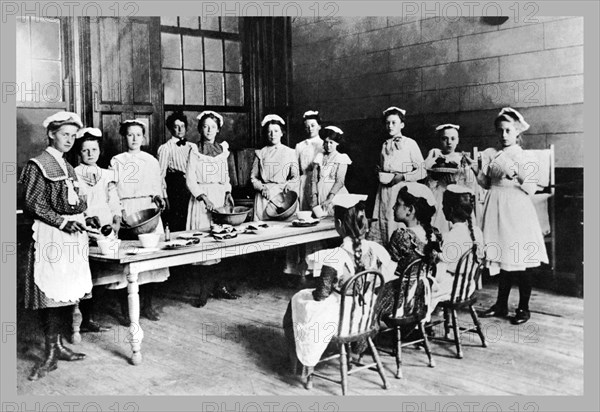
(40, 68)
(202, 61)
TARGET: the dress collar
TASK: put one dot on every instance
(58, 155)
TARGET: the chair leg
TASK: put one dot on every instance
(377, 360)
(308, 372)
(426, 344)
(348, 357)
(459, 353)
(344, 368)
(398, 353)
(446, 323)
(478, 326)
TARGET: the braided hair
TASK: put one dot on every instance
(354, 223)
(423, 213)
(458, 207)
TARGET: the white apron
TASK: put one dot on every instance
(61, 269)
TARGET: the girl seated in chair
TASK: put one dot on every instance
(312, 316)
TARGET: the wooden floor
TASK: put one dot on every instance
(236, 348)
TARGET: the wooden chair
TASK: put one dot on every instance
(356, 322)
(409, 312)
(466, 278)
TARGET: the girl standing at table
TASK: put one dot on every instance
(54, 198)
(140, 186)
(401, 156)
(173, 158)
(207, 179)
(445, 166)
(306, 151)
(329, 170)
(103, 203)
(275, 167)
(511, 229)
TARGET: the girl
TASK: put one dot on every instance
(318, 310)
(458, 204)
(207, 179)
(512, 233)
(401, 156)
(173, 159)
(56, 202)
(414, 207)
(445, 166)
(140, 186)
(329, 170)
(103, 203)
(275, 167)
(306, 152)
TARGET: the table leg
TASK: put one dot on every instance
(136, 334)
(76, 325)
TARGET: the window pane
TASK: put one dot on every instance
(194, 87)
(230, 24)
(213, 54)
(189, 22)
(233, 56)
(45, 39)
(214, 89)
(173, 87)
(168, 21)
(23, 57)
(47, 79)
(171, 50)
(192, 52)
(209, 23)
(235, 89)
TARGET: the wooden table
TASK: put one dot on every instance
(130, 260)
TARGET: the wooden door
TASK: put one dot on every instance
(125, 72)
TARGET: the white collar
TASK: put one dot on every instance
(57, 154)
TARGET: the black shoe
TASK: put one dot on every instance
(150, 313)
(521, 316)
(50, 361)
(494, 312)
(200, 302)
(93, 326)
(65, 353)
(223, 293)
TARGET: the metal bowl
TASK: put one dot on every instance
(282, 206)
(144, 221)
(231, 215)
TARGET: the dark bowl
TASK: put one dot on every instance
(282, 206)
(231, 215)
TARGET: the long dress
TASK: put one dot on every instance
(327, 176)
(276, 167)
(138, 181)
(399, 154)
(173, 159)
(102, 197)
(455, 243)
(511, 229)
(438, 182)
(206, 175)
(58, 273)
(306, 151)
(315, 322)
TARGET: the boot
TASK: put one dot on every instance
(65, 353)
(50, 361)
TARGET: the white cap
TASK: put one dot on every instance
(310, 113)
(347, 200)
(394, 108)
(420, 190)
(271, 117)
(63, 117)
(447, 126)
(335, 129)
(217, 115)
(512, 113)
(459, 189)
(89, 130)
